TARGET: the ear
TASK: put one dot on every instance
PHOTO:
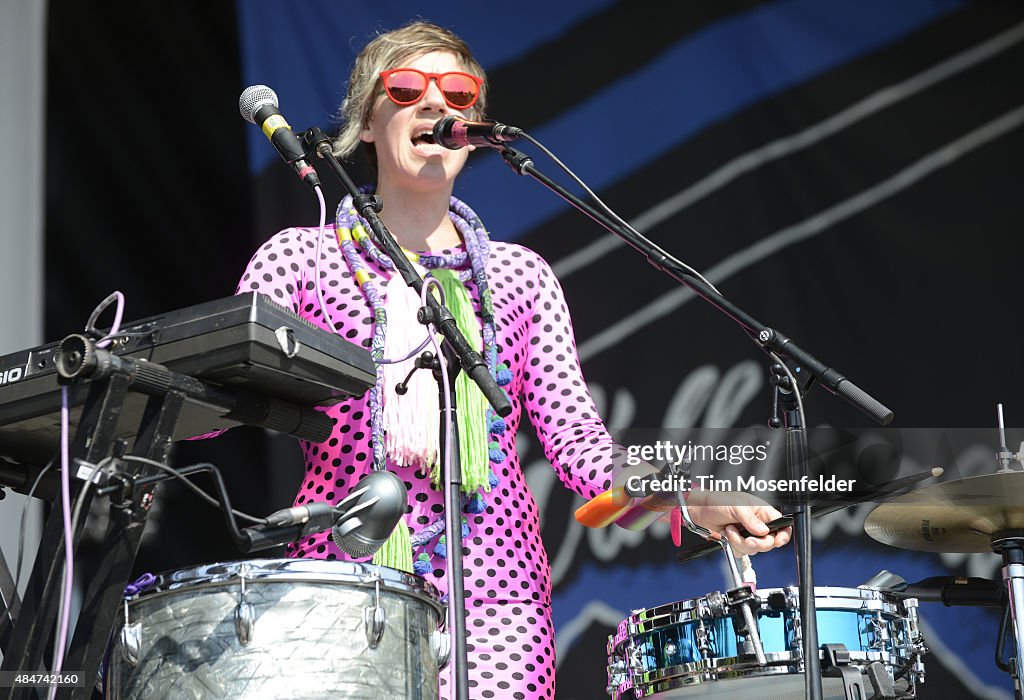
(366, 135)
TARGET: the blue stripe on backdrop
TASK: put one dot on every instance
(709, 76)
(304, 51)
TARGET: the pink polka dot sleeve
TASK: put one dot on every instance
(555, 395)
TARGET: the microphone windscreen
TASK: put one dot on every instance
(254, 97)
(379, 510)
(356, 545)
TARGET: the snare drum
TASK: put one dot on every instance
(280, 628)
(690, 648)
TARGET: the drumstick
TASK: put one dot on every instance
(825, 508)
(604, 508)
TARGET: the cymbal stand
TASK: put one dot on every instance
(1005, 458)
(740, 595)
(1010, 545)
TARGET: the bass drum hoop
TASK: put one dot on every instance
(292, 571)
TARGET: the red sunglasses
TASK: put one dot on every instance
(407, 86)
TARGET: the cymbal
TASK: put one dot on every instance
(952, 516)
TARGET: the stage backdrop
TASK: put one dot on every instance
(846, 172)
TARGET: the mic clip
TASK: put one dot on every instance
(426, 360)
(315, 140)
(363, 200)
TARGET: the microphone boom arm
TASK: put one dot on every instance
(768, 339)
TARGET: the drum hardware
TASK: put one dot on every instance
(740, 598)
(245, 613)
(705, 636)
(131, 639)
(835, 663)
(373, 617)
(441, 646)
(879, 632)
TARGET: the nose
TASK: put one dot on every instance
(432, 98)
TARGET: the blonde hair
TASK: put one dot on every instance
(388, 51)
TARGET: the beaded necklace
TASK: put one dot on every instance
(477, 423)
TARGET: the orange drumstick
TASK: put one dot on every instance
(604, 508)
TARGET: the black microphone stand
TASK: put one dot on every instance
(773, 343)
(461, 356)
(787, 393)
(450, 458)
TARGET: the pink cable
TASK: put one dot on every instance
(65, 495)
(69, 569)
(316, 265)
(118, 313)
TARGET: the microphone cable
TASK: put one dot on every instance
(604, 207)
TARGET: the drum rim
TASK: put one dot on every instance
(654, 687)
(290, 570)
(838, 597)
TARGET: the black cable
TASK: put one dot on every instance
(201, 466)
(1003, 665)
(24, 520)
(604, 207)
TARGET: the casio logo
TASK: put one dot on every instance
(12, 375)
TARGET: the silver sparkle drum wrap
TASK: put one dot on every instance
(288, 628)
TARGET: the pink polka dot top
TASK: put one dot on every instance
(504, 558)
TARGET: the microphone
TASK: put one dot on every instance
(289, 524)
(369, 514)
(956, 590)
(455, 133)
(319, 515)
(258, 105)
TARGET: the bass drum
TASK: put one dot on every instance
(690, 649)
(280, 628)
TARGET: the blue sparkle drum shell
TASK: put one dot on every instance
(691, 649)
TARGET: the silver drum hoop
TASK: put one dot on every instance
(295, 570)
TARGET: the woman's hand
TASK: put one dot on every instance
(722, 511)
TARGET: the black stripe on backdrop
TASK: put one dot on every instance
(556, 76)
(146, 184)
